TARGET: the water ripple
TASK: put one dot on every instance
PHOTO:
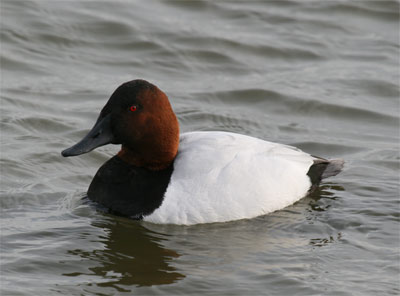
(322, 76)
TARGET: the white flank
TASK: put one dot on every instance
(221, 176)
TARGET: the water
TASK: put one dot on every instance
(320, 75)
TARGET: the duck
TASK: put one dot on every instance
(164, 177)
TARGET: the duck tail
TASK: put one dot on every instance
(324, 168)
(333, 168)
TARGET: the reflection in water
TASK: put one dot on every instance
(131, 256)
(323, 193)
(321, 242)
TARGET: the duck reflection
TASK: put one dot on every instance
(131, 255)
(323, 193)
(320, 201)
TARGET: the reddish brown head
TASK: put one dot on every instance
(139, 116)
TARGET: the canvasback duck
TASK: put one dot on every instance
(161, 176)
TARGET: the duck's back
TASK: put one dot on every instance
(221, 176)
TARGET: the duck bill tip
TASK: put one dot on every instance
(72, 151)
(100, 135)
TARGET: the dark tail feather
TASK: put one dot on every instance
(333, 168)
(324, 168)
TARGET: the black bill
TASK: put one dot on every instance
(101, 134)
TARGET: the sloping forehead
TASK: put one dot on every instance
(136, 92)
(131, 92)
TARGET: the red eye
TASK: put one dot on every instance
(133, 108)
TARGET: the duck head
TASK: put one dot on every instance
(138, 116)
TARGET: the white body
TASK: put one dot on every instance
(221, 176)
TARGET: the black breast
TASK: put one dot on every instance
(127, 190)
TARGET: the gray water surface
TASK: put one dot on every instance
(320, 75)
